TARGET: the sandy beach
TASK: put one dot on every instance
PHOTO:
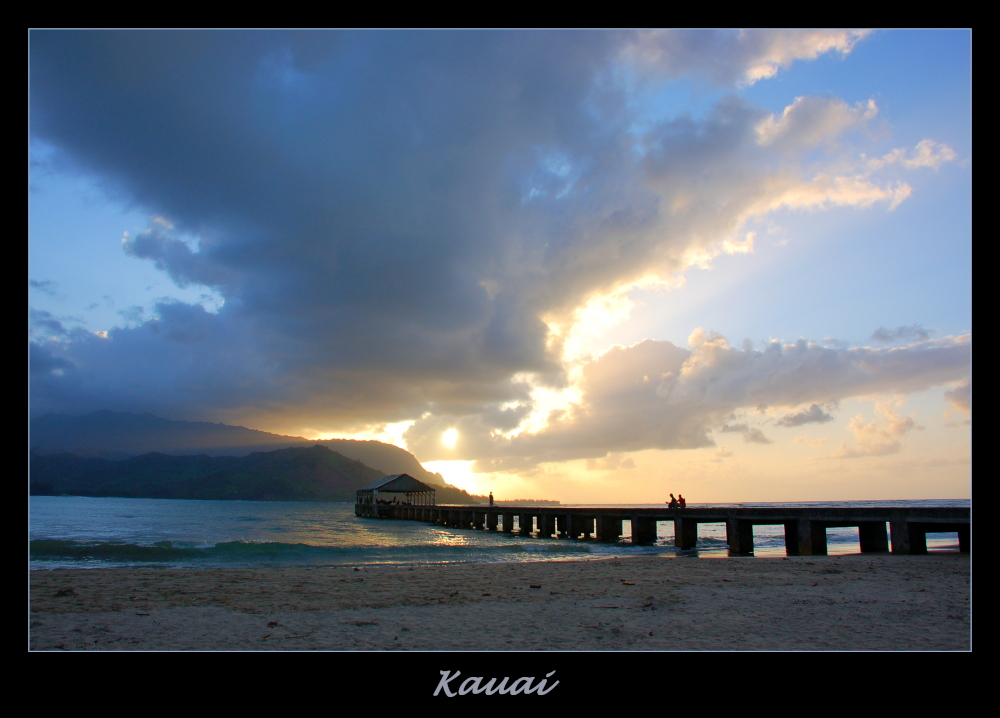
(801, 603)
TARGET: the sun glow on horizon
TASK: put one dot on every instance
(456, 473)
(391, 433)
(450, 438)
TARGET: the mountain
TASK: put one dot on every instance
(114, 435)
(311, 473)
(104, 432)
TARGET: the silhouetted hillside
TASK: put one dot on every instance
(312, 473)
(113, 435)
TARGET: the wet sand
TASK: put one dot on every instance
(857, 602)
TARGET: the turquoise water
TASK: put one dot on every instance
(84, 532)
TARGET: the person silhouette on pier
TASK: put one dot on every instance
(681, 501)
(491, 498)
(672, 504)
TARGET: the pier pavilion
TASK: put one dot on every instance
(371, 502)
(903, 529)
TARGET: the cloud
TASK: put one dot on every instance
(811, 121)
(813, 415)
(879, 437)
(656, 395)
(806, 441)
(396, 221)
(612, 462)
(910, 333)
(756, 436)
(927, 153)
(175, 257)
(961, 397)
(44, 323)
(750, 435)
(736, 57)
(734, 428)
(46, 286)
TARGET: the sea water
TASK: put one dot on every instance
(84, 532)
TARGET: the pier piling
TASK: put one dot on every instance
(873, 537)
(740, 534)
(685, 533)
(643, 530)
(609, 528)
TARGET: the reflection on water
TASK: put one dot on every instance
(94, 532)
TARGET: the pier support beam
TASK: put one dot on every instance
(873, 537)
(524, 526)
(792, 538)
(491, 521)
(809, 538)
(740, 535)
(508, 523)
(581, 525)
(563, 522)
(685, 533)
(546, 525)
(908, 537)
(608, 528)
(643, 530)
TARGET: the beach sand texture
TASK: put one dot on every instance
(800, 603)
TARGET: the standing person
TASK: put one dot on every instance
(681, 501)
(491, 498)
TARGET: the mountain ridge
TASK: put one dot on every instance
(307, 473)
(121, 435)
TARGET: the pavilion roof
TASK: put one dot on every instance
(397, 482)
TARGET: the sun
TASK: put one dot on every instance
(450, 438)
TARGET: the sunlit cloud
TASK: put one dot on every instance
(880, 437)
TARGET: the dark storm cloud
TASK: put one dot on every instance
(388, 216)
(352, 193)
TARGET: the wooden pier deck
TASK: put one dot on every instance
(903, 529)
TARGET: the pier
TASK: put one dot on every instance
(903, 530)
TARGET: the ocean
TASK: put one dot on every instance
(84, 532)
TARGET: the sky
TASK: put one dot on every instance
(593, 266)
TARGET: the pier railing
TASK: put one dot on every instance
(903, 529)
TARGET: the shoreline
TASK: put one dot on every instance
(856, 602)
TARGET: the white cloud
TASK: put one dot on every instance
(879, 437)
(927, 153)
(730, 57)
(811, 121)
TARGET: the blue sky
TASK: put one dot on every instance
(557, 248)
